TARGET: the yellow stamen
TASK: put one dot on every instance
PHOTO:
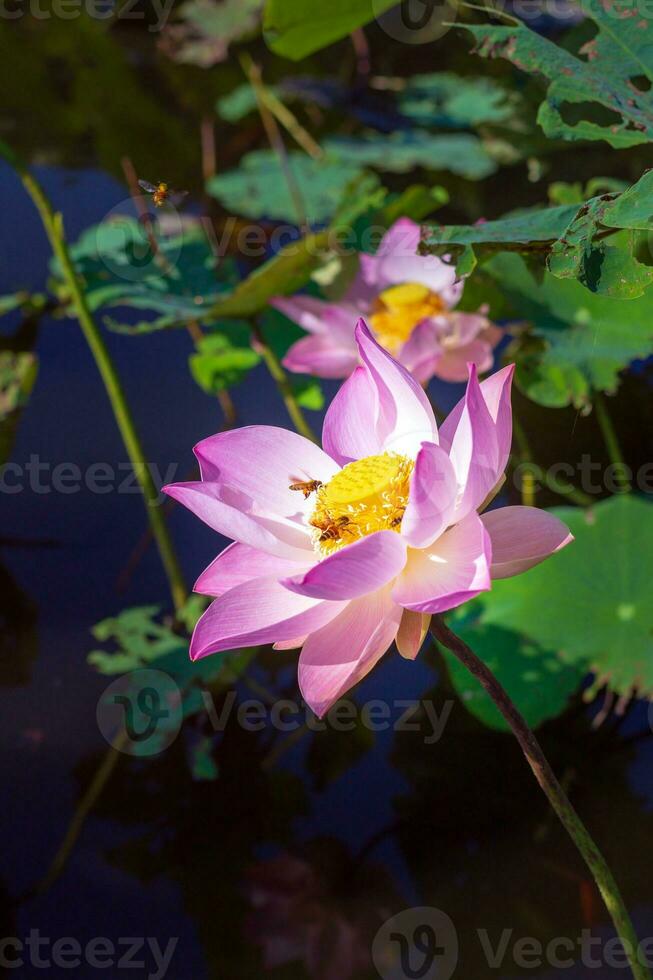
(368, 495)
(397, 311)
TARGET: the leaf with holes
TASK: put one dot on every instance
(532, 230)
(593, 602)
(578, 342)
(603, 90)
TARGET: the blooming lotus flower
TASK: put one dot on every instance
(341, 551)
(407, 300)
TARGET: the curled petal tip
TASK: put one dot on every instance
(362, 328)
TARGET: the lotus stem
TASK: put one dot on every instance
(284, 387)
(611, 440)
(53, 225)
(554, 792)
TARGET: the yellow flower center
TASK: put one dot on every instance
(368, 495)
(397, 311)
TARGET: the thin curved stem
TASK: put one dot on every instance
(555, 794)
(528, 489)
(280, 378)
(611, 439)
(84, 807)
(53, 225)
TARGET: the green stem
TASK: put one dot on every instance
(528, 489)
(553, 790)
(610, 438)
(280, 377)
(53, 224)
(275, 139)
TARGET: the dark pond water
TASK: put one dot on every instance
(457, 824)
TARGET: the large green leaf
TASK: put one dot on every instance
(453, 101)
(579, 341)
(259, 187)
(286, 272)
(597, 243)
(296, 28)
(538, 682)
(181, 281)
(533, 229)
(291, 268)
(461, 153)
(593, 602)
(613, 71)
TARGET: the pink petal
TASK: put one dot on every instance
(496, 393)
(323, 356)
(474, 449)
(349, 430)
(421, 352)
(523, 537)
(259, 611)
(318, 317)
(455, 568)
(432, 498)
(404, 414)
(225, 510)
(459, 328)
(295, 644)
(339, 655)
(452, 364)
(354, 570)
(397, 261)
(238, 564)
(412, 632)
(262, 460)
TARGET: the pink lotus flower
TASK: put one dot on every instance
(324, 912)
(385, 533)
(407, 300)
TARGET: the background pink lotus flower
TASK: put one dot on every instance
(324, 912)
(385, 532)
(407, 300)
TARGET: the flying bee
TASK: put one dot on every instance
(307, 487)
(161, 192)
(331, 528)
